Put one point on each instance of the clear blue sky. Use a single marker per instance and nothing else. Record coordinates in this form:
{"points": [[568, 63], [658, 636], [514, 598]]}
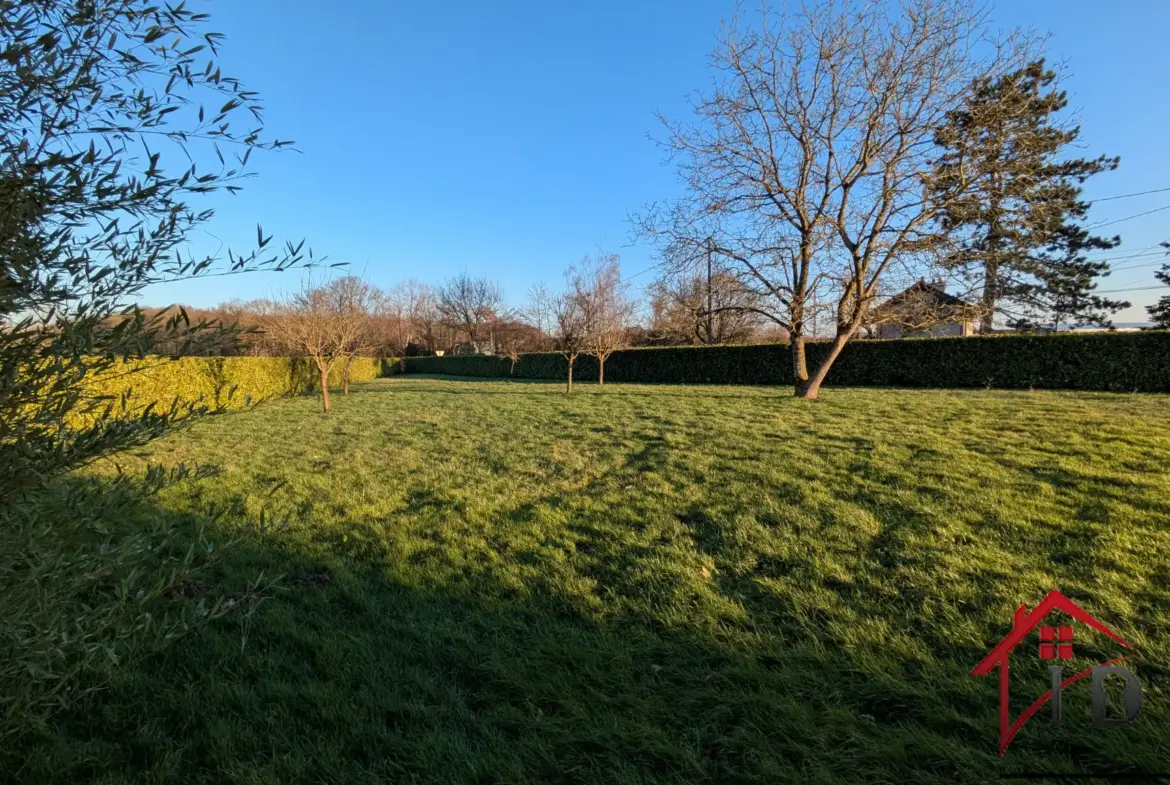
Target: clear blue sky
{"points": [[511, 138]]}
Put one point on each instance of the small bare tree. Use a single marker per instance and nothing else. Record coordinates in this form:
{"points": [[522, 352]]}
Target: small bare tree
{"points": [[306, 323], [411, 315], [688, 307], [570, 326], [353, 302], [513, 337], [470, 305], [598, 286], [539, 311], [808, 165]]}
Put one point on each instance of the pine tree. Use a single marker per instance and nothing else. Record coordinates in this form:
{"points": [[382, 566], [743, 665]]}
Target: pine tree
{"points": [[1160, 311], [1014, 230]]}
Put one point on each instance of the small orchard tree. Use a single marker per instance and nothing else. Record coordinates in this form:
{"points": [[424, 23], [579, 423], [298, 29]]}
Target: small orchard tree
{"points": [[513, 337], [570, 328], [306, 323], [354, 303], [598, 286]]}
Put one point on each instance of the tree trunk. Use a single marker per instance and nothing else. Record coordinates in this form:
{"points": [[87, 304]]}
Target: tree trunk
{"points": [[569, 386], [345, 376], [990, 295], [600, 371], [799, 362], [809, 388], [324, 390]]}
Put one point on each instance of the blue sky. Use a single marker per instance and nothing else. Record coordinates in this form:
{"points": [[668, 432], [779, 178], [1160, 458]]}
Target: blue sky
{"points": [[511, 138]]}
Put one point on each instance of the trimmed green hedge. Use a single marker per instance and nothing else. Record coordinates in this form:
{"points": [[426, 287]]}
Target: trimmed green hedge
{"points": [[1117, 362], [231, 382]]}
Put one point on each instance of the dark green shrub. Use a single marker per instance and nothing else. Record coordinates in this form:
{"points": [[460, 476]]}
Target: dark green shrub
{"points": [[1118, 362]]}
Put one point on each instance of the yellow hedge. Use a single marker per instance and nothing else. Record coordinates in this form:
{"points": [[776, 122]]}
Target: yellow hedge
{"points": [[230, 382]]}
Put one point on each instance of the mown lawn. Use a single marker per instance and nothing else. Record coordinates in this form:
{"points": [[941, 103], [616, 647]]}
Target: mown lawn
{"points": [[490, 582]]}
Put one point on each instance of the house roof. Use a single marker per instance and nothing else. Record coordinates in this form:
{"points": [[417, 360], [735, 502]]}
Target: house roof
{"points": [[920, 289], [1026, 621]]}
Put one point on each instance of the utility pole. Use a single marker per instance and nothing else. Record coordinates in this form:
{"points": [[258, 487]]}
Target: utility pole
{"points": [[710, 330]]}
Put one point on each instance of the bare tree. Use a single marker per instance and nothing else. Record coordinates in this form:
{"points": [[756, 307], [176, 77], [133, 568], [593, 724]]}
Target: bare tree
{"points": [[353, 302], [470, 305], [570, 326], [306, 323], [687, 307], [427, 321], [539, 311], [410, 315], [807, 165], [514, 336], [597, 284]]}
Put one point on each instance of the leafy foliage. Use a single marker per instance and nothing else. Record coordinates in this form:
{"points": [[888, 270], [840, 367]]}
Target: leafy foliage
{"points": [[1122, 362], [97, 99], [92, 95], [84, 592]]}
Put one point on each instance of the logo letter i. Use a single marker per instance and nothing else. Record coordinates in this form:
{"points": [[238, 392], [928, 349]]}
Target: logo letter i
{"points": [[1056, 672]]}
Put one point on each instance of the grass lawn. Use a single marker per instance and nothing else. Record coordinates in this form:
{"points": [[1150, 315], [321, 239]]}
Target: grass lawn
{"points": [[494, 582]]}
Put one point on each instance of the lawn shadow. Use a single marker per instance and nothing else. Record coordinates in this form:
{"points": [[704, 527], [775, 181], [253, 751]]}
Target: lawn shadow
{"points": [[353, 665]]}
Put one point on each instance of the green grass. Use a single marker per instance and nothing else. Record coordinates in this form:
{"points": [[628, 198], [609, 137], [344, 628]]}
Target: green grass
{"points": [[494, 582]]}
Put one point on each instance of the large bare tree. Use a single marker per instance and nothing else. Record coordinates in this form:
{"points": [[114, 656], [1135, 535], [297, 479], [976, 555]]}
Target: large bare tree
{"points": [[806, 165]]}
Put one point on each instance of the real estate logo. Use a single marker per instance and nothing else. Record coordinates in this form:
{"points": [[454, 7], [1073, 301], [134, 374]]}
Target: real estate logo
{"points": [[1056, 645]]}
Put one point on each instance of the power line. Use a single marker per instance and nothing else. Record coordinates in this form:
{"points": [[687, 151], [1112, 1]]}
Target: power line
{"points": [[1138, 265], [1126, 196], [642, 272], [1130, 217], [1131, 289], [1122, 258]]}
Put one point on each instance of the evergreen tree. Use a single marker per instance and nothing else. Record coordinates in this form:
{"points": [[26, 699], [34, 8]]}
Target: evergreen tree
{"points": [[1013, 203], [1160, 311]]}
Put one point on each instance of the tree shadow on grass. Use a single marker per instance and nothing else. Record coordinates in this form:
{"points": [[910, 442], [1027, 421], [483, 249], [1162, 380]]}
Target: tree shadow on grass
{"points": [[582, 388], [607, 661]]}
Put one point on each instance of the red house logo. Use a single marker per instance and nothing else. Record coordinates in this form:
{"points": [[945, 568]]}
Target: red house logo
{"points": [[1056, 644]]}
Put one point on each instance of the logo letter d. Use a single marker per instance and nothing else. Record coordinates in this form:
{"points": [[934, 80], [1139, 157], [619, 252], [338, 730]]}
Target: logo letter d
{"points": [[1132, 697]]}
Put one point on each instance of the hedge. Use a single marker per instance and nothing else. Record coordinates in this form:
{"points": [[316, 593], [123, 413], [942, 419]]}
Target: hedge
{"points": [[230, 382], [1105, 361]]}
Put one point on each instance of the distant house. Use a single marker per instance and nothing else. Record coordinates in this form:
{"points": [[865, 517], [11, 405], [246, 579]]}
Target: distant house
{"points": [[925, 310]]}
